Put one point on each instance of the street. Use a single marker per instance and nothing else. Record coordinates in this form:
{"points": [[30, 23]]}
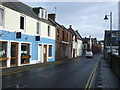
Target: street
{"points": [[74, 74]]}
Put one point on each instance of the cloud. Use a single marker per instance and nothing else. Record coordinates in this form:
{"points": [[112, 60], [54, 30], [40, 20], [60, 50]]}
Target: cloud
{"points": [[87, 17]]}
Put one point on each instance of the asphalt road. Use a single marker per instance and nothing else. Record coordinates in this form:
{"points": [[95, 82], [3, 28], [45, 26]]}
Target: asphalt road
{"points": [[74, 74]]}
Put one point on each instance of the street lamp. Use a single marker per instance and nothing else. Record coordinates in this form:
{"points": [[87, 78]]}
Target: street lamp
{"points": [[106, 18]]}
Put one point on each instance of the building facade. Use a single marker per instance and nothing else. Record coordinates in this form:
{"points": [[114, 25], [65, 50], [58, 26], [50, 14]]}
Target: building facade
{"points": [[63, 40], [26, 37], [76, 43]]}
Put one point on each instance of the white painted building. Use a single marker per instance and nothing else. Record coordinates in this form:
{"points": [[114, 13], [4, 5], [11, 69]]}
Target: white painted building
{"points": [[25, 37]]}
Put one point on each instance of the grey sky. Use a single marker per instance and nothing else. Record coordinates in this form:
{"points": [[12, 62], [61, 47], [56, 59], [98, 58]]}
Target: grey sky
{"points": [[86, 17]]}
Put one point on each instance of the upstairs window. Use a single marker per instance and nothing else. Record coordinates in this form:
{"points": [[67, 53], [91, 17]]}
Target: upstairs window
{"points": [[1, 17], [48, 30], [58, 34], [42, 12], [22, 22], [45, 14], [67, 36], [38, 28], [63, 35]]}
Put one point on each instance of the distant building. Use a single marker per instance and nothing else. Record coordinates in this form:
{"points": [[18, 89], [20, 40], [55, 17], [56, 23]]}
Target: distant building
{"points": [[76, 43], [90, 44]]}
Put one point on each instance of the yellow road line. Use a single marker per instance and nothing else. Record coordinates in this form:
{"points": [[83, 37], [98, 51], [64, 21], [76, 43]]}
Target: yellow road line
{"points": [[92, 75]]}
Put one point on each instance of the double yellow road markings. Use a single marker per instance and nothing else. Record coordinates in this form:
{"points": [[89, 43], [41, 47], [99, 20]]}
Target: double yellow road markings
{"points": [[91, 77]]}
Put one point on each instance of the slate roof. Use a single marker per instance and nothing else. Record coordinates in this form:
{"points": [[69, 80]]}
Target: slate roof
{"points": [[25, 9], [78, 34]]}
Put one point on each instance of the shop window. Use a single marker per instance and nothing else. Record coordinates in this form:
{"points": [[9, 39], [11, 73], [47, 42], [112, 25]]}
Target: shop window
{"points": [[1, 16], [3, 54], [50, 50], [25, 53]]}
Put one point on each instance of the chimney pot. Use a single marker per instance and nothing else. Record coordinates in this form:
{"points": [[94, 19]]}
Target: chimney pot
{"points": [[70, 26], [52, 16]]}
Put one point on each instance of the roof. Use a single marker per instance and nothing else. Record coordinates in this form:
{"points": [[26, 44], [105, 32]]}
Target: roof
{"points": [[78, 34], [58, 25], [20, 7], [25, 9]]}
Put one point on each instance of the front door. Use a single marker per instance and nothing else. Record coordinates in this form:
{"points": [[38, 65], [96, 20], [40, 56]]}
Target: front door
{"points": [[14, 54], [40, 53], [45, 53]]}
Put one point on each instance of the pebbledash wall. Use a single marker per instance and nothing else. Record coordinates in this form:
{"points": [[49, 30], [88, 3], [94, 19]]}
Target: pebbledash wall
{"points": [[11, 25]]}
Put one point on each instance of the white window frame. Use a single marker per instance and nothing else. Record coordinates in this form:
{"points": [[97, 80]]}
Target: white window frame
{"points": [[23, 30]]}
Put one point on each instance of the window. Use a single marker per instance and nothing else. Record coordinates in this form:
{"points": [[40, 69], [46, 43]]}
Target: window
{"points": [[58, 34], [48, 30], [63, 35], [45, 14], [50, 50], [22, 22], [37, 28], [25, 53], [67, 36], [42, 13], [1, 16], [3, 54]]}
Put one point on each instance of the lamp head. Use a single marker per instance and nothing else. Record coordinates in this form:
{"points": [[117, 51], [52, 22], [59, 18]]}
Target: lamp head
{"points": [[106, 18]]}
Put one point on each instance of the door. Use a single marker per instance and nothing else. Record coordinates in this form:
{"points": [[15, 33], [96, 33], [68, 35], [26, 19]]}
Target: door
{"points": [[73, 53], [14, 54], [45, 53], [40, 53]]}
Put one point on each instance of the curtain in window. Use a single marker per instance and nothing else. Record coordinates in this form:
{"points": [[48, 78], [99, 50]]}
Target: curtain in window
{"points": [[1, 17]]}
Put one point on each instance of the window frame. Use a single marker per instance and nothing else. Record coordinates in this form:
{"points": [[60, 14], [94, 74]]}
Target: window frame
{"points": [[50, 47], [4, 58], [27, 56], [49, 31], [24, 23]]}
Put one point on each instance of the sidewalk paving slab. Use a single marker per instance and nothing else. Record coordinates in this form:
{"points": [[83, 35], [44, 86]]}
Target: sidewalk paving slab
{"points": [[105, 77]]}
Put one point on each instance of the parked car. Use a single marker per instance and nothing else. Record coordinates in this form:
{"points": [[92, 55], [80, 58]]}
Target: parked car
{"points": [[89, 54]]}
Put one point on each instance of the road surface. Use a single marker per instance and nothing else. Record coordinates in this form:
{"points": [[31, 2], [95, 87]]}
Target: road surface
{"points": [[74, 74]]}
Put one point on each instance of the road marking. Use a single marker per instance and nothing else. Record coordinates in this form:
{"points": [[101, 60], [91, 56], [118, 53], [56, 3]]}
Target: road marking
{"points": [[92, 75]]}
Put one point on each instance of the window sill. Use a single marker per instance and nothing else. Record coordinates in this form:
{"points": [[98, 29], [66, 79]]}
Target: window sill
{"points": [[2, 59], [50, 57]]}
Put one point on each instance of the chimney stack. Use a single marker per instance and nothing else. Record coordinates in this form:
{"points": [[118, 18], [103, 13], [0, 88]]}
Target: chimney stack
{"points": [[52, 16]]}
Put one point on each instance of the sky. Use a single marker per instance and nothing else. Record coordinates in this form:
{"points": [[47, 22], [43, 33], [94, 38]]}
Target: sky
{"points": [[86, 17]]}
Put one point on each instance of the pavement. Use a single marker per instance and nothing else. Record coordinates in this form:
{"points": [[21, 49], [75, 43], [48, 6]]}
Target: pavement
{"points": [[105, 77]]}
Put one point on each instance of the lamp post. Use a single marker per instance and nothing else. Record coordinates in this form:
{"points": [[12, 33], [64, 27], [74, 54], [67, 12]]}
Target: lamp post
{"points": [[106, 18]]}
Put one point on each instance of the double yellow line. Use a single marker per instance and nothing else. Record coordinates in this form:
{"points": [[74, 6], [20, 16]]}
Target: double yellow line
{"points": [[91, 77]]}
